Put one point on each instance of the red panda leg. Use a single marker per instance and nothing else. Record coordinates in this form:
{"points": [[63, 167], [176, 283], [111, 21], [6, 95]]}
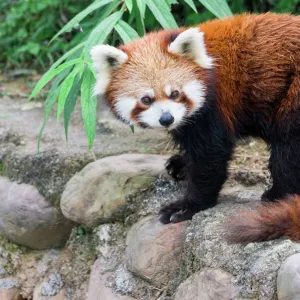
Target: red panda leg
{"points": [[284, 166], [284, 163], [207, 147], [176, 167]]}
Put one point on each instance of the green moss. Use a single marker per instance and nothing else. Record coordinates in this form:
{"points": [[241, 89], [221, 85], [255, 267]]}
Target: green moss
{"points": [[2, 167], [12, 250]]}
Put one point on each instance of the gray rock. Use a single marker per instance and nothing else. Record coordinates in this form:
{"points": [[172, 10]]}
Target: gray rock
{"points": [[52, 286], [208, 284], [28, 219], [98, 193], [154, 250], [288, 280], [110, 245], [8, 283], [99, 286]]}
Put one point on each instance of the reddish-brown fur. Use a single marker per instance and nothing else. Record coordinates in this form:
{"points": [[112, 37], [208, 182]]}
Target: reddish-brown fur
{"points": [[263, 51], [256, 73], [268, 222]]}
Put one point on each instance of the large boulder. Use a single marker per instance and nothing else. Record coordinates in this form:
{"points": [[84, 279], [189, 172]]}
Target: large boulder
{"points": [[98, 193], [26, 218], [154, 251]]}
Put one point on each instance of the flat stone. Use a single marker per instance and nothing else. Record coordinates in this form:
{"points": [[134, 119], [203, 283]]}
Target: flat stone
{"points": [[154, 250], [208, 284], [98, 193], [98, 285], [288, 280], [26, 218], [12, 294]]}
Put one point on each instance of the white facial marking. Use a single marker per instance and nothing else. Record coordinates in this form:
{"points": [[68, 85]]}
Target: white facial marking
{"points": [[100, 55], [149, 92], [195, 91], [152, 115], [168, 90], [191, 43], [124, 106]]}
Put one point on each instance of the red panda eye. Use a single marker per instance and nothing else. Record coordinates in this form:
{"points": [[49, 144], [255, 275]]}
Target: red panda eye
{"points": [[147, 100], [174, 95]]}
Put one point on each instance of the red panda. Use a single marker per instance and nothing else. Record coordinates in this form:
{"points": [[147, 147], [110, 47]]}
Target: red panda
{"points": [[210, 86]]}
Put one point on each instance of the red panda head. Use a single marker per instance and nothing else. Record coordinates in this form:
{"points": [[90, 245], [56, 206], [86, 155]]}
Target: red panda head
{"points": [[156, 81]]}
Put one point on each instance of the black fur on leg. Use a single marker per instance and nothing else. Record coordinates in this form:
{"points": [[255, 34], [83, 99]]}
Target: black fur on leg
{"points": [[176, 167], [207, 147], [284, 165], [176, 212]]}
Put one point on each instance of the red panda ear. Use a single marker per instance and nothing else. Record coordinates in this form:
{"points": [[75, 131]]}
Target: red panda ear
{"points": [[190, 43], [106, 60]]}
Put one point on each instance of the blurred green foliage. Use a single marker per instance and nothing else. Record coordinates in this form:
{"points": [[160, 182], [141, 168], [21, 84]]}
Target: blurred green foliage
{"points": [[27, 26]]}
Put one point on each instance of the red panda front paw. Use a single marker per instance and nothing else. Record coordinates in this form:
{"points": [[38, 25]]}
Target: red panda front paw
{"points": [[176, 167], [176, 212]]}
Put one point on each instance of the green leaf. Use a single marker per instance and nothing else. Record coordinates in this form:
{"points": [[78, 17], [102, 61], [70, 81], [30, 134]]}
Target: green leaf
{"points": [[126, 32], [129, 5], [50, 74], [67, 54], [141, 4], [70, 103], [88, 106], [139, 16], [92, 69], [64, 91], [162, 13], [102, 30], [191, 4], [219, 8], [132, 128], [50, 101], [97, 4]]}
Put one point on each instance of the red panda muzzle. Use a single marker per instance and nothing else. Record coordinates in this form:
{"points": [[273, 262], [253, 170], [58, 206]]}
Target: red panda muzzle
{"points": [[269, 221]]}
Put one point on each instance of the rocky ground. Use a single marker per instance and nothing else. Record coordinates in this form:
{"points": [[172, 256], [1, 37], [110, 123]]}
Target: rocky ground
{"points": [[82, 225]]}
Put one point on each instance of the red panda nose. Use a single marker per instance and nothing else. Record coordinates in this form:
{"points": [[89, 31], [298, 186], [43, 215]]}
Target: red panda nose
{"points": [[166, 119]]}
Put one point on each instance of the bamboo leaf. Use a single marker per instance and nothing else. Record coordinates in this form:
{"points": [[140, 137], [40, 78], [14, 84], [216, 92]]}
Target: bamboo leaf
{"points": [[141, 4], [64, 91], [66, 55], [219, 8], [95, 5], [88, 106], [139, 13], [191, 4], [162, 13], [102, 30], [50, 74], [126, 32], [129, 5], [49, 103], [70, 103]]}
